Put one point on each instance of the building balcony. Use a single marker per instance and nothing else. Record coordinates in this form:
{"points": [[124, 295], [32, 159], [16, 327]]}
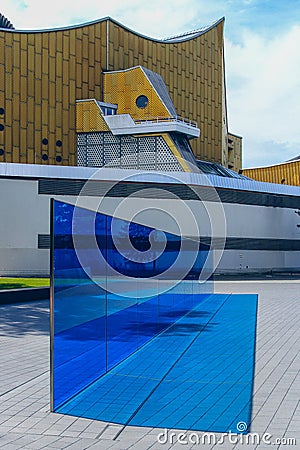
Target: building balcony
{"points": [[120, 124]]}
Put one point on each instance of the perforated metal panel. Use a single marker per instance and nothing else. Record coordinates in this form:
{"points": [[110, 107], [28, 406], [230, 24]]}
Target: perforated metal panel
{"points": [[129, 145], [129, 161], [81, 139], [147, 144], [94, 138], [147, 166], [94, 156], [161, 144], [113, 163], [81, 156], [165, 157], [147, 158], [112, 154], [170, 167], [109, 138], [90, 149], [125, 139], [145, 152]]}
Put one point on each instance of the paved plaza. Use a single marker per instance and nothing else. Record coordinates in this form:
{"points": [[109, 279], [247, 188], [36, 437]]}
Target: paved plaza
{"points": [[26, 423]]}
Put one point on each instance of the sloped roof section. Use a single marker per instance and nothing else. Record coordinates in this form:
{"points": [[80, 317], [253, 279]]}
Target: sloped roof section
{"points": [[170, 40], [159, 85], [194, 33], [294, 159], [5, 23]]}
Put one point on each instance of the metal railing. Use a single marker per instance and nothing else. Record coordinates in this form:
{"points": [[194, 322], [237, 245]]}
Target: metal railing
{"points": [[158, 119]]}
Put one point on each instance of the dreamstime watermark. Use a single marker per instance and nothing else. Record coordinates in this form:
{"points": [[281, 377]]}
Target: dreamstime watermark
{"points": [[197, 438], [155, 206]]}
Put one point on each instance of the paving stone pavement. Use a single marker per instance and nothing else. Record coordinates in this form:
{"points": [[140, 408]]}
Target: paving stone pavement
{"points": [[26, 422]]}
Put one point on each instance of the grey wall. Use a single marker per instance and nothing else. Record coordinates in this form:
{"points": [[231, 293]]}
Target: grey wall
{"points": [[25, 215]]}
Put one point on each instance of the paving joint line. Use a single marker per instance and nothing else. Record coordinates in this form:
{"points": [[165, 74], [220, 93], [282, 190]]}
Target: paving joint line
{"points": [[23, 384]]}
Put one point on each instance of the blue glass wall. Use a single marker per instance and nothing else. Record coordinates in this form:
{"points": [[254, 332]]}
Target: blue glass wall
{"points": [[197, 374], [108, 299]]}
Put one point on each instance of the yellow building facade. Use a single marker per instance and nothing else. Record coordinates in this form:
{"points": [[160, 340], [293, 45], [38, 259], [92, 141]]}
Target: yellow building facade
{"points": [[234, 151], [285, 173], [43, 73], [136, 127]]}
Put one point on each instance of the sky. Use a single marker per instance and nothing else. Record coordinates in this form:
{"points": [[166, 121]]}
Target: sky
{"points": [[262, 57]]}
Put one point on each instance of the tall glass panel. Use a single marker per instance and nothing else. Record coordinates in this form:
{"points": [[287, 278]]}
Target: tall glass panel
{"points": [[115, 285], [78, 311]]}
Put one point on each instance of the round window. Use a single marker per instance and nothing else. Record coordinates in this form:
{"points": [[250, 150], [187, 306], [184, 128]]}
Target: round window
{"points": [[142, 101], [44, 157]]}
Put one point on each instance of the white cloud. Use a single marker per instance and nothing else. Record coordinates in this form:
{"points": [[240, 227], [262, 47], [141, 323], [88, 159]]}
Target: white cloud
{"points": [[157, 19], [264, 93]]}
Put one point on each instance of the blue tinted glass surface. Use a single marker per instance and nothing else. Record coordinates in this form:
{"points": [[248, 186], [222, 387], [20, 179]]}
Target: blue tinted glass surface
{"points": [[130, 352], [103, 309], [79, 337], [197, 374]]}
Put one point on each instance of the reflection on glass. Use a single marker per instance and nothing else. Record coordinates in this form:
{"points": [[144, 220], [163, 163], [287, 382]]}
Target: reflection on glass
{"points": [[111, 299]]}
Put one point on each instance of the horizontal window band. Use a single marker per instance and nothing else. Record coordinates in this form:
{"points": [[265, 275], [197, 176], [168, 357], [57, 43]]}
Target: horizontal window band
{"points": [[44, 241], [165, 191], [231, 243]]}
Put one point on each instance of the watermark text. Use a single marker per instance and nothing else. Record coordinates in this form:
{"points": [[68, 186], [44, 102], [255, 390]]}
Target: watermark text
{"points": [[197, 438]]}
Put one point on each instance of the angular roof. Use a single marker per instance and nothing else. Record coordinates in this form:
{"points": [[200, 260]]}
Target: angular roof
{"points": [[5, 23], [194, 33], [294, 159], [178, 38], [159, 85]]}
